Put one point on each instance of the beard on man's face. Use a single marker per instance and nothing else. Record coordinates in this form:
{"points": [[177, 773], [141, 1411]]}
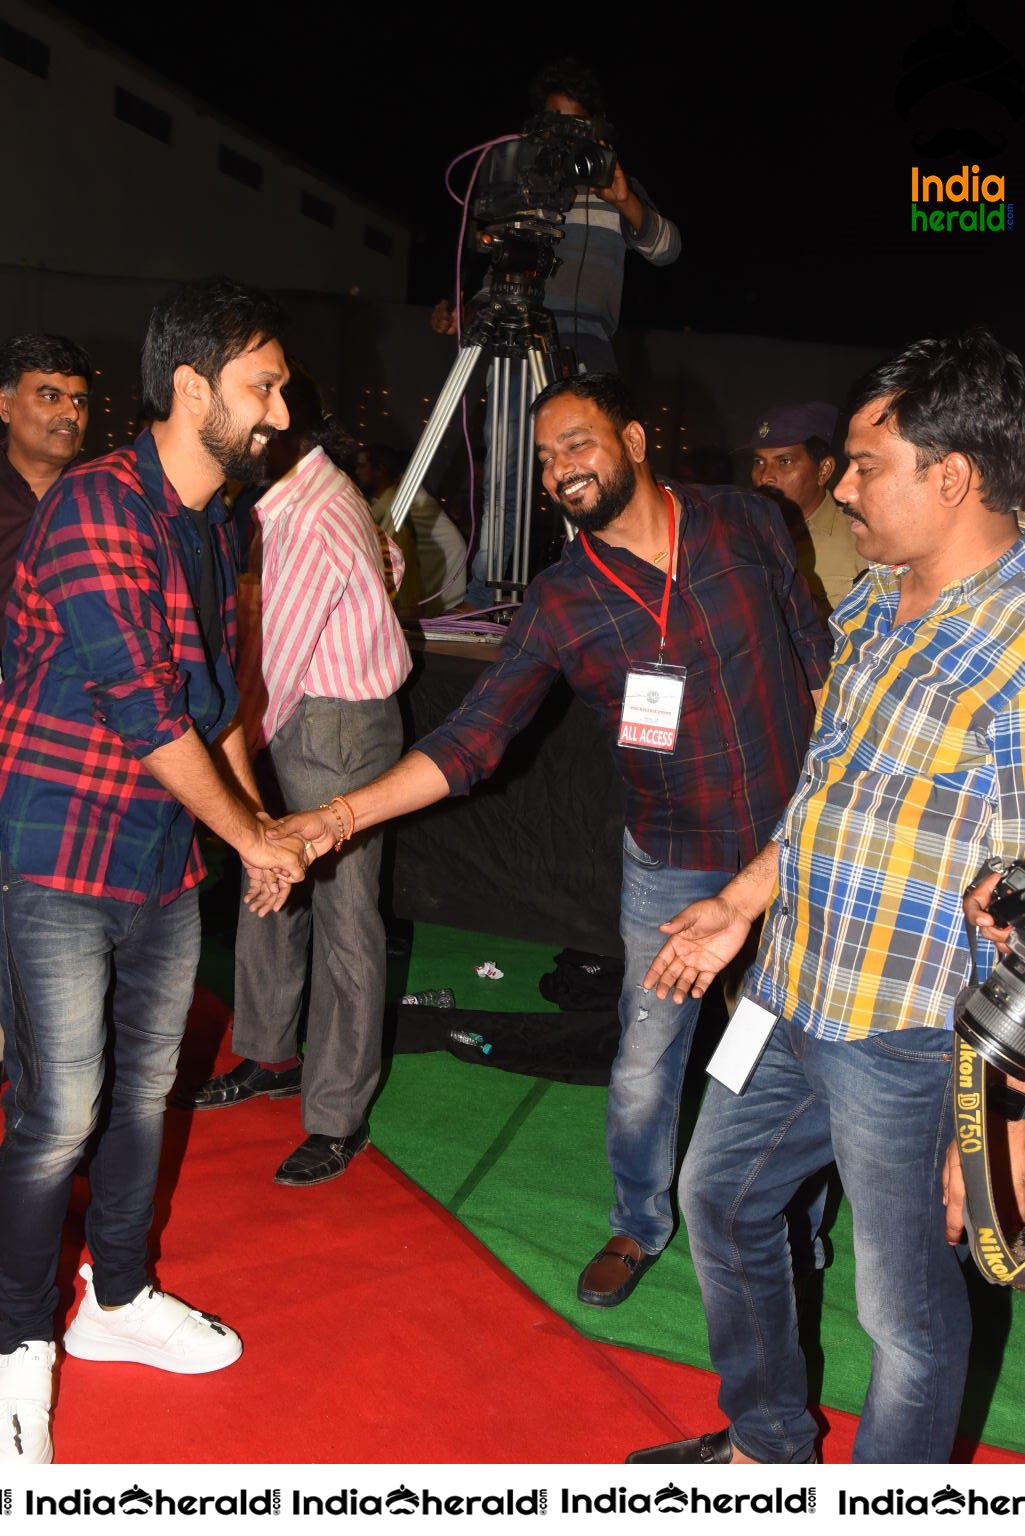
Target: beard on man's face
{"points": [[231, 446], [614, 495]]}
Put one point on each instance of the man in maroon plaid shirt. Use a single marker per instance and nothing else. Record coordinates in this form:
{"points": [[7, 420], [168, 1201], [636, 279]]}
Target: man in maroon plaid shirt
{"points": [[118, 730], [679, 617]]}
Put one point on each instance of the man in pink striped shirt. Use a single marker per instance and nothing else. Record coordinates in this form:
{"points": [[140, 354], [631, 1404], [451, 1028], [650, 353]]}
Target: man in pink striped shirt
{"points": [[320, 667]]}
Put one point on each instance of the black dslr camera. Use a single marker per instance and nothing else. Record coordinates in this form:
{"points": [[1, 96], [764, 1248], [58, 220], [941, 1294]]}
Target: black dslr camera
{"points": [[991, 1015]]}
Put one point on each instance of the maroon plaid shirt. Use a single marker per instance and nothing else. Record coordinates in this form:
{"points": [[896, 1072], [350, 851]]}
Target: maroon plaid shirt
{"points": [[104, 662], [742, 622]]}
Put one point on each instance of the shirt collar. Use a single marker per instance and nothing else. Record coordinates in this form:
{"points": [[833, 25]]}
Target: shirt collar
{"points": [[16, 480], [157, 488], [13, 476], [966, 589], [574, 550], [286, 491], [827, 511]]}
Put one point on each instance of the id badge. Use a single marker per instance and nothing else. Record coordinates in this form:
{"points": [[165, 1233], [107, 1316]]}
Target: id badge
{"points": [[652, 702], [740, 1049]]}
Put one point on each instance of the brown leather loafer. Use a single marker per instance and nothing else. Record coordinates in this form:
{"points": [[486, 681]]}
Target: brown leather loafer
{"points": [[613, 1273]]}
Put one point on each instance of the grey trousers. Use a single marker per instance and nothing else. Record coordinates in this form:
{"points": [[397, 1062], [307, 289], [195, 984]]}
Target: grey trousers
{"points": [[329, 934]]}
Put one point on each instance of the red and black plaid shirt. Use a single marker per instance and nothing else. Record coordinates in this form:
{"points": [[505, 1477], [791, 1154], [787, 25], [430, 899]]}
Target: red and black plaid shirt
{"points": [[742, 622], [104, 662]]}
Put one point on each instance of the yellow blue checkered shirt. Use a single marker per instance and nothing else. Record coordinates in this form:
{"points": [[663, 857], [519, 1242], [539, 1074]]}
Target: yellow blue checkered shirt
{"points": [[913, 778]]}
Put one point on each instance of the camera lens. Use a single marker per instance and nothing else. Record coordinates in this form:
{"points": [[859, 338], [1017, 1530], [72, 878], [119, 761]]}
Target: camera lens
{"points": [[992, 1018]]}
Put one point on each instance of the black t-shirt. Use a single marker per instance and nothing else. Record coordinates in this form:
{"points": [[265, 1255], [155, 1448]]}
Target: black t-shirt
{"points": [[209, 607], [17, 504]]}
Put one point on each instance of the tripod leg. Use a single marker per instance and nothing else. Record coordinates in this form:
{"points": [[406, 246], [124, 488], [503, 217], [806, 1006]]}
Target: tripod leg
{"points": [[511, 480], [498, 506], [451, 393], [542, 372], [524, 479]]}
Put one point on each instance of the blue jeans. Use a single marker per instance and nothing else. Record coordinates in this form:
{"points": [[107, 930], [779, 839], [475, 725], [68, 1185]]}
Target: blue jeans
{"points": [[882, 1107], [655, 1039], [84, 1057]]}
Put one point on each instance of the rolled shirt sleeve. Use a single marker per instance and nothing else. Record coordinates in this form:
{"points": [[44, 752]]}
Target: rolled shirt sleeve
{"points": [[98, 574], [469, 745]]}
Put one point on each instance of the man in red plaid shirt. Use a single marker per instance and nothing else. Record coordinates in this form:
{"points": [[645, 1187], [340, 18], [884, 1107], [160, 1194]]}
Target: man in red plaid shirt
{"points": [[118, 731]]}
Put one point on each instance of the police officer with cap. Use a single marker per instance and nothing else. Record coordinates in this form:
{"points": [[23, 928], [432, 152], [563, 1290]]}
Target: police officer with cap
{"points": [[793, 463]]}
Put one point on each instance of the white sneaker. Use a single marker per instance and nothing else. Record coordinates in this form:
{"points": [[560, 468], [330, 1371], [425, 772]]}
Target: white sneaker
{"points": [[154, 1329], [26, 1395]]}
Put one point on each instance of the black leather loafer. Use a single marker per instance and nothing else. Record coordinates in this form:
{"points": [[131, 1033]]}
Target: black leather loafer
{"points": [[320, 1158], [246, 1081], [708, 1449]]}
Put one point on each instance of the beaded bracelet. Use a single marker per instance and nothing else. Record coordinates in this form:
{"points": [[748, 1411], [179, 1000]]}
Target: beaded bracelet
{"points": [[335, 847], [343, 833], [352, 813]]}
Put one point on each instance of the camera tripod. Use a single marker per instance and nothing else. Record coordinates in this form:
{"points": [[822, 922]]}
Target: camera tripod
{"points": [[513, 327]]}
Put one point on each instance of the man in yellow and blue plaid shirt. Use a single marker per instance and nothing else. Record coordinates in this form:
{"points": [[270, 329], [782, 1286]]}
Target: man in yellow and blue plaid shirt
{"points": [[913, 779]]}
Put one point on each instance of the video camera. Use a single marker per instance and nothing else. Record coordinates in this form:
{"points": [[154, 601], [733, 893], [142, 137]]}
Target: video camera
{"points": [[537, 175]]}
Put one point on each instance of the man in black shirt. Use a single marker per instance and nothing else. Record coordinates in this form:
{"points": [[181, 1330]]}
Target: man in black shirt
{"points": [[44, 406]]}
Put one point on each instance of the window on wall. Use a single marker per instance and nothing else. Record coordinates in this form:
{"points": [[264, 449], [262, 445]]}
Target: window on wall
{"points": [[317, 209], [21, 48], [241, 168], [377, 240], [142, 114]]}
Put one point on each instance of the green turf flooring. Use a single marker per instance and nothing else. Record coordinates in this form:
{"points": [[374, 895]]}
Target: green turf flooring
{"points": [[521, 1162]]}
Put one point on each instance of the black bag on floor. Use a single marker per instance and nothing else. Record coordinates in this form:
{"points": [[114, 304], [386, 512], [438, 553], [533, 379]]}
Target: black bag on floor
{"points": [[582, 982], [575, 1049]]}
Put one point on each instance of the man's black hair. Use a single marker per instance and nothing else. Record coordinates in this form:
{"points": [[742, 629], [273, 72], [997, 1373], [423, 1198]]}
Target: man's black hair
{"points": [[961, 394], [818, 449], [567, 77], [606, 390], [307, 418], [41, 354], [207, 324]]}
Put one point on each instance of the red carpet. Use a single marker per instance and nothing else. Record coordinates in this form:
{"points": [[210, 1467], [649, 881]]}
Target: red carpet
{"points": [[376, 1328]]}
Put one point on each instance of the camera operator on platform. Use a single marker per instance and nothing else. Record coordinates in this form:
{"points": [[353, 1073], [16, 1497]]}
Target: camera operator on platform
{"points": [[584, 293], [914, 778]]}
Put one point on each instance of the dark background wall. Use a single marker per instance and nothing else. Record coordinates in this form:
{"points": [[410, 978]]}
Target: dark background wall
{"points": [[381, 367]]}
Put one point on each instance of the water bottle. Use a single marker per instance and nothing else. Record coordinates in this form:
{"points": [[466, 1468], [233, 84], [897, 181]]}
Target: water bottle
{"points": [[467, 1037], [442, 997]]}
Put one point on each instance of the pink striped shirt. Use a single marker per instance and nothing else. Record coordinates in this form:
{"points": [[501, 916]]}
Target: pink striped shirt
{"points": [[321, 623]]}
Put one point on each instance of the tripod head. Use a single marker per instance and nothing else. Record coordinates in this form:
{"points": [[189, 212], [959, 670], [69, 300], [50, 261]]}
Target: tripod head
{"points": [[512, 320]]}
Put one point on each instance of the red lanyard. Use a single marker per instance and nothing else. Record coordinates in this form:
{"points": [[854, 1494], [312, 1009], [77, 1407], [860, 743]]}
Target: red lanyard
{"points": [[661, 617]]}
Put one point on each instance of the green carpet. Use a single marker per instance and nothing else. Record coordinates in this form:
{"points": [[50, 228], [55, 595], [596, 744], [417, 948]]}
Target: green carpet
{"points": [[521, 1162]]}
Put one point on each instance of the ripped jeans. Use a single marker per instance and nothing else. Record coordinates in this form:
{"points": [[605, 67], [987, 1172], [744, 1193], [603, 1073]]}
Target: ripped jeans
{"points": [[654, 1043]]}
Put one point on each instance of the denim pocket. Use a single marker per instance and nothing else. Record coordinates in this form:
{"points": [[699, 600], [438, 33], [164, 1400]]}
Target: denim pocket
{"points": [[632, 851], [913, 1044], [9, 878]]}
